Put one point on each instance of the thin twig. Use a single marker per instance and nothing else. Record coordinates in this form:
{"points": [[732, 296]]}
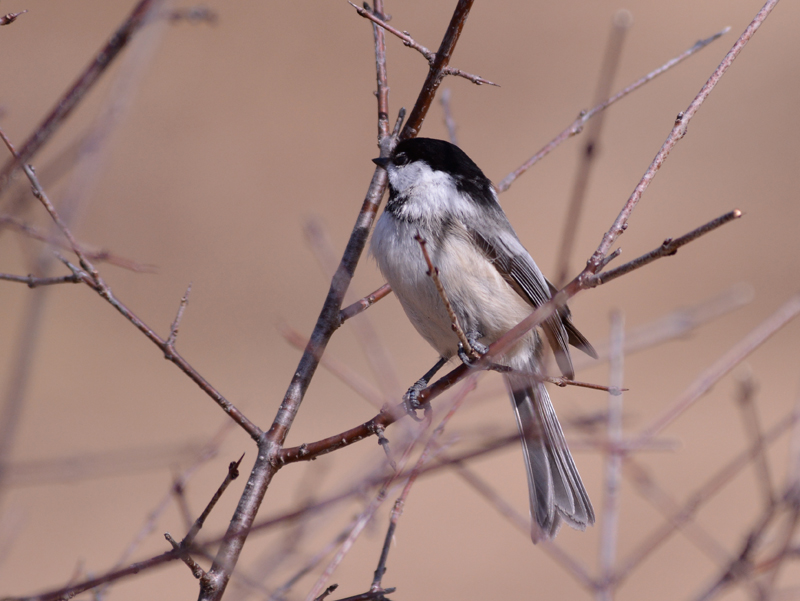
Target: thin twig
{"points": [[399, 505], [233, 473], [11, 17], [607, 551], [433, 273], [577, 126], [620, 25], [173, 330], [365, 517], [449, 121], [65, 105], [722, 366], [413, 44], [365, 303], [745, 399], [34, 282], [93, 253], [668, 248], [702, 495], [90, 276]]}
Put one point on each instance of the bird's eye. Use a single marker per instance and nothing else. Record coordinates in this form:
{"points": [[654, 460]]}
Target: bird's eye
{"points": [[400, 159]]}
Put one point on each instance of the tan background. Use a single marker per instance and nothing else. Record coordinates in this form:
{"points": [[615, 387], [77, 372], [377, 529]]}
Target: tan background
{"points": [[229, 138]]}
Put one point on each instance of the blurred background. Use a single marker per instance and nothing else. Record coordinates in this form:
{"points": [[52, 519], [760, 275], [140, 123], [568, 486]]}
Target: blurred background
{"points": [[208, 149]]}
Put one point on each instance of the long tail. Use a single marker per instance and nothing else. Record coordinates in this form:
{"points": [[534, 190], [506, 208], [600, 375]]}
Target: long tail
{"points": [[554, 484]]}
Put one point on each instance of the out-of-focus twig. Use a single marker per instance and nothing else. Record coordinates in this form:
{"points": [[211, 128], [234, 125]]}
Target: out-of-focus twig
{"points": [[577, 126], [620, 25]]}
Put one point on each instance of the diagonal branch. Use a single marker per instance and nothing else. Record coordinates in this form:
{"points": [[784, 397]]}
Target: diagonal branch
{"points": [[412, 43], [65, 105], [577, 126]]}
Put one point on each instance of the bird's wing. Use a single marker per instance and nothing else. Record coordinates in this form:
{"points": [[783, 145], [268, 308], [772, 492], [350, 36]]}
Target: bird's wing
{"points": [[517, 267]]}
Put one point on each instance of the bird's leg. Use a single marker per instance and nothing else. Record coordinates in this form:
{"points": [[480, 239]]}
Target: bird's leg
{"points": [[411, 397]]}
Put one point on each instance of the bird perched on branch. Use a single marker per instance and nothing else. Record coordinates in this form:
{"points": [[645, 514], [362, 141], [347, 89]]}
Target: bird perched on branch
{"points": [[437, 193]]}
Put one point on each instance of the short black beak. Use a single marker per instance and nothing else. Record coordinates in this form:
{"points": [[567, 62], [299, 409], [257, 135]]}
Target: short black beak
{"points": [[381, 161]]}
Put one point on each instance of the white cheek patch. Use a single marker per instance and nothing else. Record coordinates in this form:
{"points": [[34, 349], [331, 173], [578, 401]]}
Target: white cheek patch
{"points": [[429, 195]]}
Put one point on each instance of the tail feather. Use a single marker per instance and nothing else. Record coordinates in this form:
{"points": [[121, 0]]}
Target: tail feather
{"points": [[554, 484]]}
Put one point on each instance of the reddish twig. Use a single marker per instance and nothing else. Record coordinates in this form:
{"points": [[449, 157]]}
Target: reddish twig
{"points": [[34, 282], [577, 126], [11, 17], [173, 330], [621, 22], [65, 105], [668, 248], [437, 70], [365, 303], [413, 44], [433, 273]]}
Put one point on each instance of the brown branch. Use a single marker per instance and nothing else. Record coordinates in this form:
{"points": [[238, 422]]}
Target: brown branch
{"points": [[11, 17], [620, 25], [65, 105], [577, 126], [668, 248], [381, 76], [269, 456], [407, 40], [437, 70], [365, 303], [34, 282], [90, 276]]}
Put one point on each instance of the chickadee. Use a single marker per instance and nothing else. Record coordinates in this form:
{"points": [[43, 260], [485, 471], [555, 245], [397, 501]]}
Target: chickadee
{"points": [[492, 283]]}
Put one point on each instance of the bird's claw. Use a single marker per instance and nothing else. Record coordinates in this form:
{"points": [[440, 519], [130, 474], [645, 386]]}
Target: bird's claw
{"points": [[411, 400], [478, 348]]}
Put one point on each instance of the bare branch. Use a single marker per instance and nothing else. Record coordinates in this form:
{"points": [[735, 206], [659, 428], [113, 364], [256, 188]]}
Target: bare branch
{"points": [[411, 43], [668, 248], [433, 273], [437, 70], [65, 105], [34, 282], [364, 304], [620, 24], [11, 17], [722, 366], [607, 551], [577, 126]]}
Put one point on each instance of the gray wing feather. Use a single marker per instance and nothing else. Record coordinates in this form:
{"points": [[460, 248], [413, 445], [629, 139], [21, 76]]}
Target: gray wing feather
{"points": [[514, 263]]}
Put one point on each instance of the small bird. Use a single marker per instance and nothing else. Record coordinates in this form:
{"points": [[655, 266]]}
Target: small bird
{"points": [[438, 193]]}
